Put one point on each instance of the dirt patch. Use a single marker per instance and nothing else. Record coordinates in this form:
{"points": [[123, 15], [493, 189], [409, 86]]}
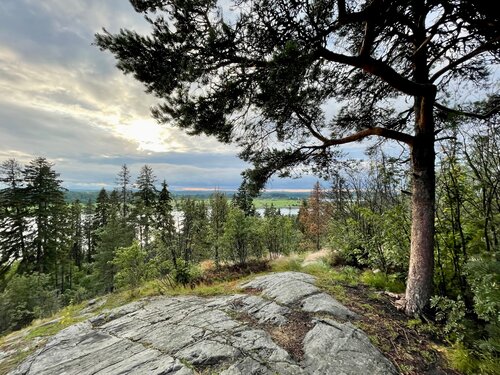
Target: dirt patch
{"points": [[289, 336], [253, 291]]}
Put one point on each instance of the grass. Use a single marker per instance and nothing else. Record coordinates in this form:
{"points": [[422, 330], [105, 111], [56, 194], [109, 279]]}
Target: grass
{"points": [[292, 262], [381, 281], [467, 362], [24, 342], [277, 202], [50, 326], [10, 363]]}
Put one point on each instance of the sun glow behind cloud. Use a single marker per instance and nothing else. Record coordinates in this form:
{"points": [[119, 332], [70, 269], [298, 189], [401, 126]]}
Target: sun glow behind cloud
{"points": [[149, 135], [73, 93]]}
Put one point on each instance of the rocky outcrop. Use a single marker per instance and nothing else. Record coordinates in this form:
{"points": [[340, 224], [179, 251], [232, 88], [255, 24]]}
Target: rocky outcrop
{"points": [[284, 324]]}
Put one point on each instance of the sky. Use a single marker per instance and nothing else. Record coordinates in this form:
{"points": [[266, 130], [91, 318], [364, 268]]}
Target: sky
{"points": [[64, 99]]}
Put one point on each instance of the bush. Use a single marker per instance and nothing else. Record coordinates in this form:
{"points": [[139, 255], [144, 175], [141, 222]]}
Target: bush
{"points": [[186, 274], [452, 314]]}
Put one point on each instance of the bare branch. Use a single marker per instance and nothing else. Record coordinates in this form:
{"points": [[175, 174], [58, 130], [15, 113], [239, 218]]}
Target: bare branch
{"points": [[381, 132], [308, 123]]}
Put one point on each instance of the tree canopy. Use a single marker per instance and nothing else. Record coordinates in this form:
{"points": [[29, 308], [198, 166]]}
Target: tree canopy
{"points": [[289, 80]]}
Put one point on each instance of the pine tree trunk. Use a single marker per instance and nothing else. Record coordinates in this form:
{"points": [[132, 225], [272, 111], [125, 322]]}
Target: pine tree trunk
{"points": [[420, 275]]}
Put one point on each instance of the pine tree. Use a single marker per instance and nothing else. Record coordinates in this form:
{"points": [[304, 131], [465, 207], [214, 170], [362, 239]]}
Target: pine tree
{"points": [[288, 82]]}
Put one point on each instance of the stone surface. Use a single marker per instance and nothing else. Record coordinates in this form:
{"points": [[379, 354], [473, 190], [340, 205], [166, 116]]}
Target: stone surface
{"points": [[343, 347], [229, 335], [285, 287], [324, 303]]}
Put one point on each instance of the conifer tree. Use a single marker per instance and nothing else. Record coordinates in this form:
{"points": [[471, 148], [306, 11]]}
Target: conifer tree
{"points": [[13, 214], [145, 199], [88, 230], [243, 199], [218, 215], [123, 181], [314, 217], [115, 234], [288, 82], [46, 199], [164, 222], [76, 229], [102, 209]]}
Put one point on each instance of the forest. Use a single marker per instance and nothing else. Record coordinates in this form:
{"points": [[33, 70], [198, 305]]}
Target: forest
{"points": [[55, 253]]}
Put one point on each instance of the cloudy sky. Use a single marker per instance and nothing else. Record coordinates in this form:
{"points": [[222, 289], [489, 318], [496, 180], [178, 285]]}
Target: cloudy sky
{"points": [[62, 98]]}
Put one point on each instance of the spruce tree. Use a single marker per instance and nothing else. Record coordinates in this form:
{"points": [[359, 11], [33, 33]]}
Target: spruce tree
{"points": [[13, 214], [123, 181], [76, 229], [46, 199], [115, 234], [102, 209], [145, 199], [165, 224], [243, 199]]}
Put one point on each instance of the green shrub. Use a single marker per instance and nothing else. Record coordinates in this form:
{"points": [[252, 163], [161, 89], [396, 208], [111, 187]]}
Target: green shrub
{"points": [[483, 275], [452, 314], [186, 274], [381, 281]]}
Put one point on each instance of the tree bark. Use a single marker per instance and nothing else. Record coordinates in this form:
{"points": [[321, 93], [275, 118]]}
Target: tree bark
{"points": [[420, 275]]}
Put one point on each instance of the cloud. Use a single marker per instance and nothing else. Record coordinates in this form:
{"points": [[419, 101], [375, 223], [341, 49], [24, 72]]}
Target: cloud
{"points": [[62, 98]]}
